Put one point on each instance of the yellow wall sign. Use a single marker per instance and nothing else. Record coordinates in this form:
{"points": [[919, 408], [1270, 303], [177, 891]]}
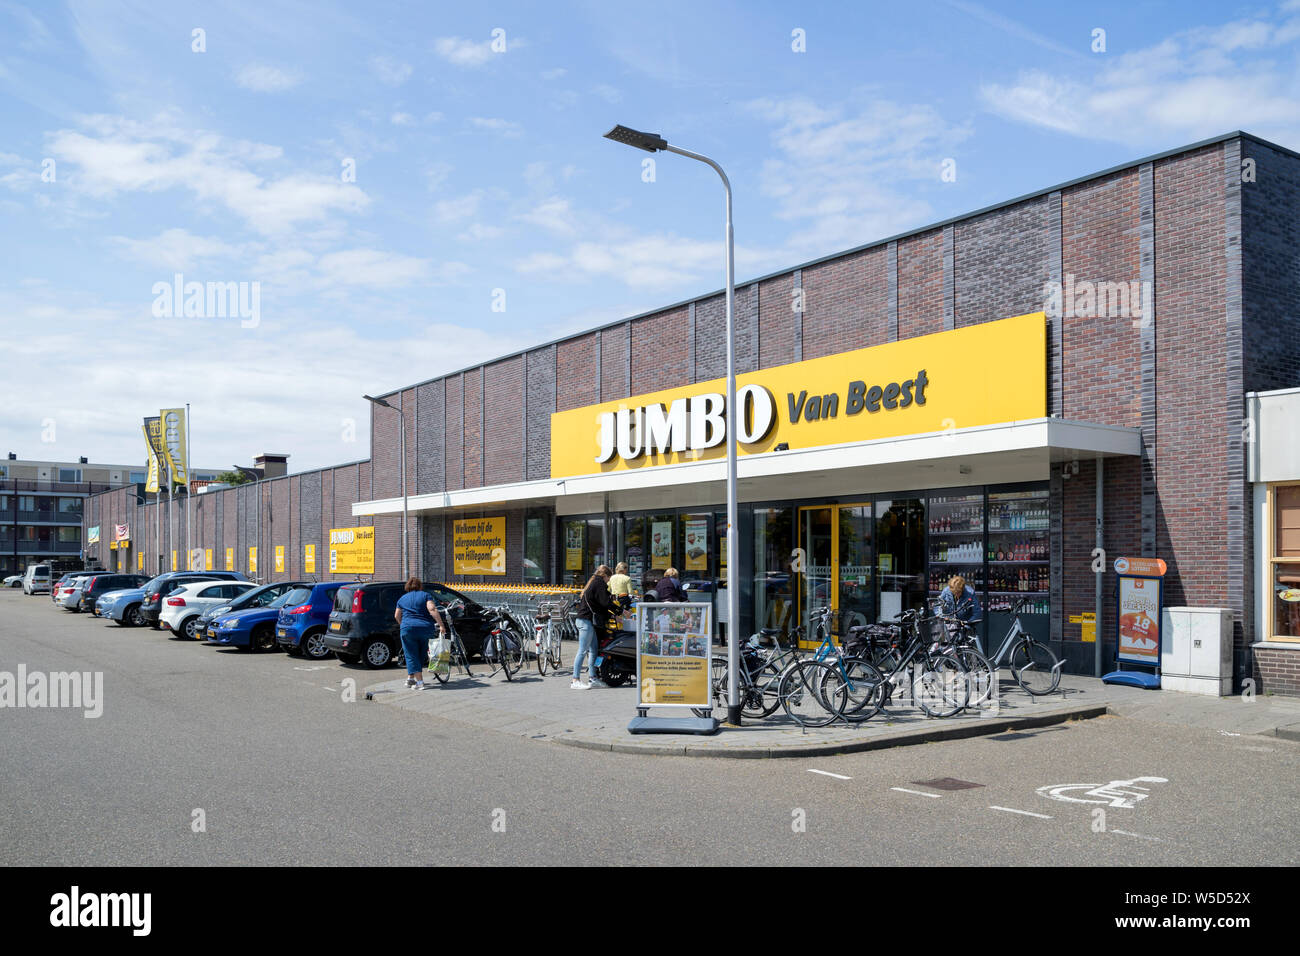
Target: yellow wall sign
{"points": [[279, 559], [252, 560], [230, 559], [479, 546], [139, 561], [979, 375], [207, 559], [309, 558], [173, 560], [352, 550]]}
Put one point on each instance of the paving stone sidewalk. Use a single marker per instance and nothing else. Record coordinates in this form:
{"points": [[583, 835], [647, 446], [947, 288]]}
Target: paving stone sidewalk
{"points": [[545, 709]]}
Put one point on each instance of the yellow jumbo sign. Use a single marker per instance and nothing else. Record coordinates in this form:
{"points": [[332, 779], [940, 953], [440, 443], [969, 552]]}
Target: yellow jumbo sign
{"points": [[979, 375], [352, 550]]}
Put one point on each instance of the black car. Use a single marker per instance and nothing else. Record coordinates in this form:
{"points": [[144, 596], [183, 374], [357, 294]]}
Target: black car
{"points": [[104, 582], [362, 628], [165, 584]]}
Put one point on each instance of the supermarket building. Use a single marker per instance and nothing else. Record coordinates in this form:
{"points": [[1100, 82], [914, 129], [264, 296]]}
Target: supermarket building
{"points": [[998, 395]]}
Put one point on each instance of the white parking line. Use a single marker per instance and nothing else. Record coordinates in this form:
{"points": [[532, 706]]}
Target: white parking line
{"points": [[1138, 835], [1041, 816], [919, 793], [827, 773]]}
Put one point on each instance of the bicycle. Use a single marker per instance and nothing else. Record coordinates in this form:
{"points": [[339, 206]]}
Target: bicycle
{"points": [[547, 638], [780, 679], [507, 643], [1036, 669], [441, 670], [941, 689]]}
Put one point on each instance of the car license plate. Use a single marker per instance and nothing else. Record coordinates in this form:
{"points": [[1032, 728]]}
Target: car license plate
{"points": [[212, 632], [280, 632], [335, 626]]}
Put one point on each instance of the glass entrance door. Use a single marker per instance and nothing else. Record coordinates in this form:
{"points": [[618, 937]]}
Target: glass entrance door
{"points": [[835, 543], [900, 544]]}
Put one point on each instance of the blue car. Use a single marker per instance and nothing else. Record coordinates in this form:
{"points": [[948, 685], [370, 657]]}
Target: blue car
{"points": [[122, 607], [300, 629], [252, 627]]}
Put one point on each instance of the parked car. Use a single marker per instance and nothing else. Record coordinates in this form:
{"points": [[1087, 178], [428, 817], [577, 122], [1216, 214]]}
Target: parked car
{"points": [[69, 594], [36, 578], [362, 628], [252, 627], [14, 581], [60, 584], [158, 589], [181, 608], [123, 607], [257, 597], [100, 584], [300, 629]]}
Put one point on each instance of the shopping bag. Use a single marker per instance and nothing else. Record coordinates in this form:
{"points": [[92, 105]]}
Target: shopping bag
{"points": [[440, 654]]}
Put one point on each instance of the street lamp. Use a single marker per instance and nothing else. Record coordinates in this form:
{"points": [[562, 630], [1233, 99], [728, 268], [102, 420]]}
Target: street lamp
{"points": [[653, 142], [401, 420]]}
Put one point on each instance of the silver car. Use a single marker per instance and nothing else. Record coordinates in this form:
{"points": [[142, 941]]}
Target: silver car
{"points": [[70, 598]]}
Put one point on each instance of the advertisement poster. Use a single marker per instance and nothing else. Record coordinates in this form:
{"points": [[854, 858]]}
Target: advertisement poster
{"points": [[252, 560], [121, 532], [207, 559], [279, 558], [1139, 621], [196, 559], [139, 561], [92, 535], [352, 550], [697, 543], [230, 559], [173, 435], [478, 545], [175, 566], [309, 558], [661, 545], [673, 654], [635, 563], [573, 546]]}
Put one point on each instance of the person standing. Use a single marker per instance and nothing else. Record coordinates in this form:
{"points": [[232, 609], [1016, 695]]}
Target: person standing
{"points": [[620, 585], [593, 611], [670, 587], [959, 600], [416, 615]]}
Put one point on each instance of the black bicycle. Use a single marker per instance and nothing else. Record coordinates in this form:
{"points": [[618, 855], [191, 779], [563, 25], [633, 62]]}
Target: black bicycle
{"points": [[456, 655]]}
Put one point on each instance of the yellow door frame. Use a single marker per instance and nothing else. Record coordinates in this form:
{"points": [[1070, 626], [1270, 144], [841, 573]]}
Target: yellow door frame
{"points": [[834, 594]]}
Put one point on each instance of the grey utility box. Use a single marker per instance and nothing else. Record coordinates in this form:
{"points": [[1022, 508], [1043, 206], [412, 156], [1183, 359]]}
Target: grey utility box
{"points": [[1196, 650]]}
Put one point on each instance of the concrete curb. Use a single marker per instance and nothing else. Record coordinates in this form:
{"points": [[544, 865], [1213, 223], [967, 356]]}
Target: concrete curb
{"points": [[812, 749], [1288, 732]]}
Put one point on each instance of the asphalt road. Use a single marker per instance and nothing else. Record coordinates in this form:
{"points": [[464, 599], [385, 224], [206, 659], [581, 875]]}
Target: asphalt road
{"points": [[286, 772]]}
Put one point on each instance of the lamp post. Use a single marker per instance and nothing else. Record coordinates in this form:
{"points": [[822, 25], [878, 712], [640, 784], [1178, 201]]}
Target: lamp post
{"points": [[401, 421], [651, 143]]}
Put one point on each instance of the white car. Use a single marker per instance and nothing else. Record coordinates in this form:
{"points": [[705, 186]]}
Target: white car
{"points": [[181, 609], [70, 594], [14, 581]]}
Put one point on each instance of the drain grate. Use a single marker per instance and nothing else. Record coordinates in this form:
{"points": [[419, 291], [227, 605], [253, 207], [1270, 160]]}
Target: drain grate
{"points": [[947, 783]]}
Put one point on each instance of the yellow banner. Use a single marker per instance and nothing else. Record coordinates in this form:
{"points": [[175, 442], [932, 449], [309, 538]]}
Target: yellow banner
{"points": [[309, 558], [979, 375], [352, 550], [252, 560], [173, 426], [230, 559], [139, 561], [279, 559], [174, 563], [207, 559], [479, 546], [151, 480]]}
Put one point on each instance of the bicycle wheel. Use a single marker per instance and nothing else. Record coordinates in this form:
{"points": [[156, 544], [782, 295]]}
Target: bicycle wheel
{"points": [[1034, 667], [499, 641], [555, 648], [516, 656], [755, 703], [543, 655], [441, 672], [810, 697], [942, 690], [980, 674], [862, 683]]}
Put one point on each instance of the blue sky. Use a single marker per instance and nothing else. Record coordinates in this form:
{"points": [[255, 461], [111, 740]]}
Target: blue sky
{"points": [[479, 169]]}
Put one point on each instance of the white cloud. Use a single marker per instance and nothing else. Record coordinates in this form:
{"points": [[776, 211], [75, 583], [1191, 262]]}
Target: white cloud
{"points": [[554, 215], [390, 71], [402, 119], [262, 78], [373, 267], [461, 52], [607, 93], [554, 74], [1193, 84], [453, 210], [125, 156], [496, 125], [478, 232], [174, 249]]}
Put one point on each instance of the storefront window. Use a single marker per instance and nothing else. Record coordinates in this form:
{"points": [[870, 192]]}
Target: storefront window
{"points": [[634, 551], [595, 544], [660, 531], [575, 544], [720, 546], [1285, 606], [773, 590], [900, 536], [535, 549]]}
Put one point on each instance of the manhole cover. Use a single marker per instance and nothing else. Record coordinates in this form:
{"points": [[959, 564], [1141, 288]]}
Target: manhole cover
{"points": [[947, 783]]}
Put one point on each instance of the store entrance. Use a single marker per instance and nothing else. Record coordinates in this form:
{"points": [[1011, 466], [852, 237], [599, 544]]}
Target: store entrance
{"points": [[835, 543]]}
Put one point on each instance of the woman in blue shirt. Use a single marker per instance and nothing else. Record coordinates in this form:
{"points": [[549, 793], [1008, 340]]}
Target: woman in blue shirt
{"points": [[416, 616], [960, 600]]}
